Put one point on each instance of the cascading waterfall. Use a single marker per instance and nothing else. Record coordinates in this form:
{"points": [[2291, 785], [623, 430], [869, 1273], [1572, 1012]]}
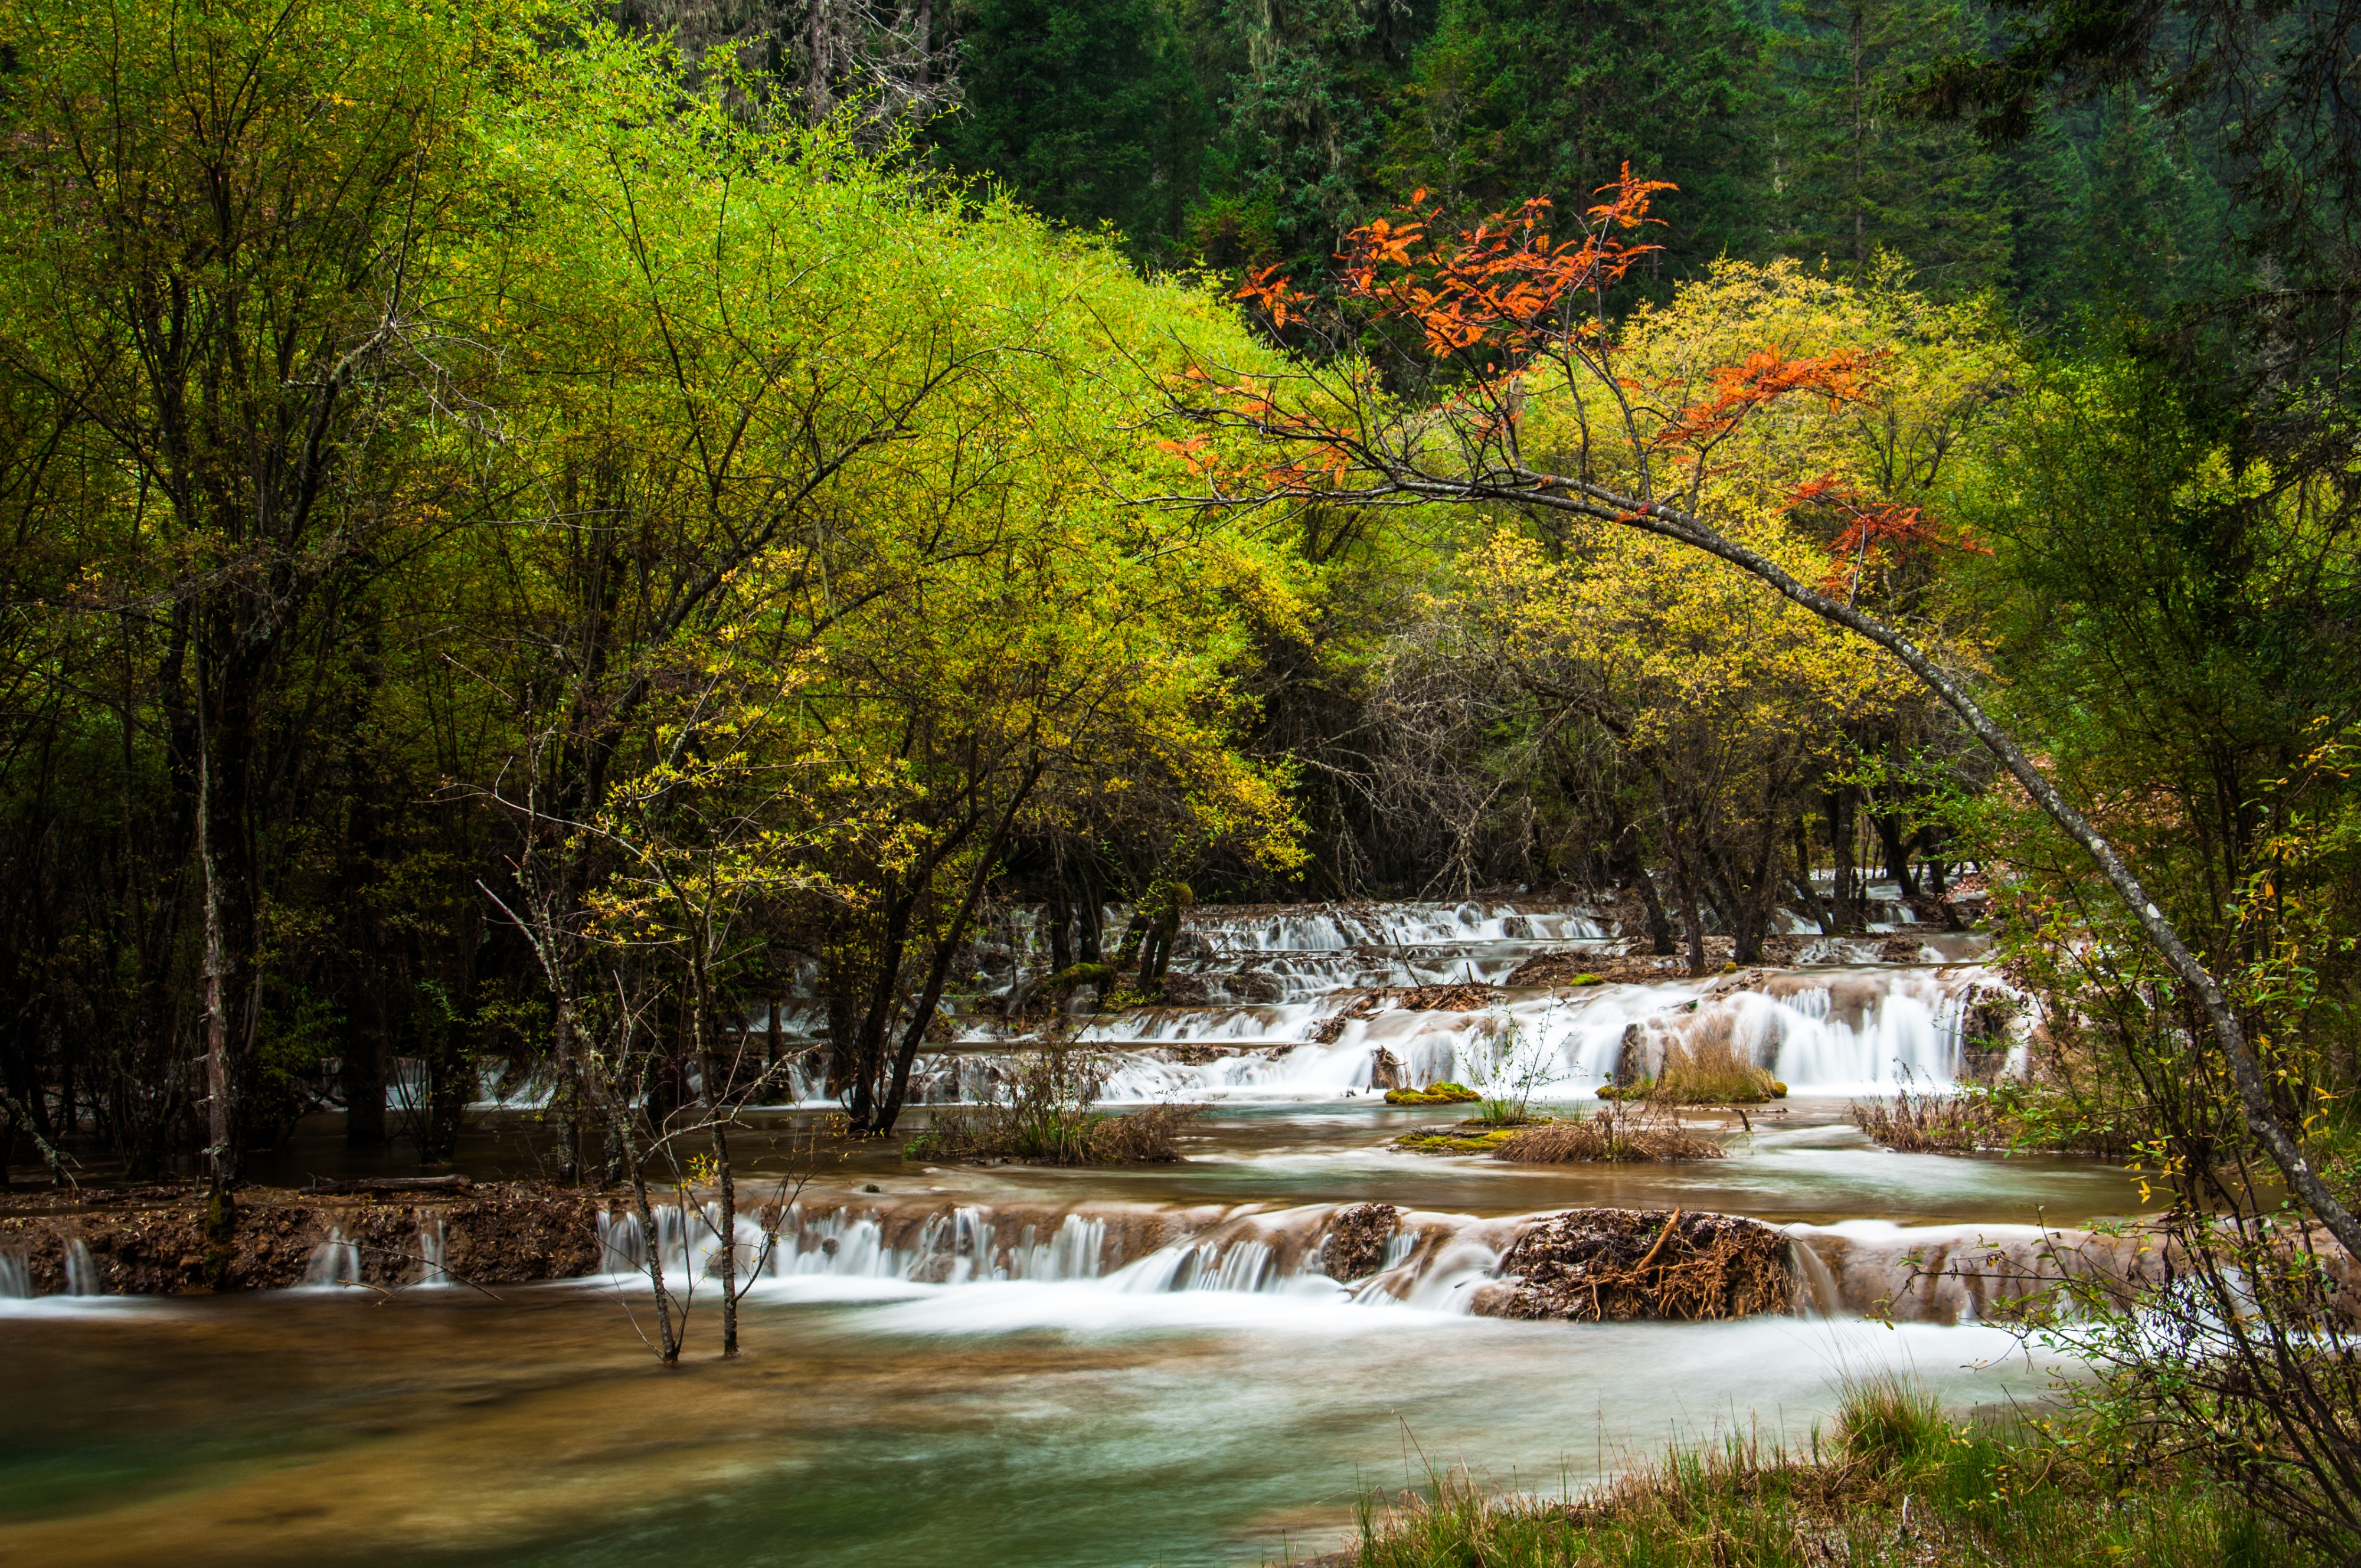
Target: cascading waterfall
{"points": [[334, 1263], [82, 1273], [1306, 1003], [1433, 1263], [1837, 1032], [431, 1250], [16, 1277]]}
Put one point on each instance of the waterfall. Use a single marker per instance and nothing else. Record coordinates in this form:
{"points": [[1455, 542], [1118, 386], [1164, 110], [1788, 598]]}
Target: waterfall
{"points": [[82, 1272], [430, 1250], [334, 1263], [16, 1277], [622, 1243]]}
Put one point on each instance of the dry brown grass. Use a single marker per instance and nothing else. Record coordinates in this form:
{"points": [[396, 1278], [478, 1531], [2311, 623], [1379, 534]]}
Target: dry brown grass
{"points": [[1930, 1123], [1613, 1137], [1709, 1069]]}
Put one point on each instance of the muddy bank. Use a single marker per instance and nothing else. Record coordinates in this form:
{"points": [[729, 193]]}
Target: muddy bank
{"points": [[151, 1242]]}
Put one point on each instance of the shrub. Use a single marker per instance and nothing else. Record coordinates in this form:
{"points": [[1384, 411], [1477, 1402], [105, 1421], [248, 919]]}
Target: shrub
{"points": [[1046, 1119], [1709, 1071], [1612, 1138]]}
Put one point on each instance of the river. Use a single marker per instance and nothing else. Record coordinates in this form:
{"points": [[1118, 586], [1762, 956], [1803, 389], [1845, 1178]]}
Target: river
{"points": [[951, 1366]]}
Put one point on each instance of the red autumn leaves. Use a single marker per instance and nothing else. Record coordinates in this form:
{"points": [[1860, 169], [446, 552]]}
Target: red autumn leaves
{"points": [[1495, 299]]}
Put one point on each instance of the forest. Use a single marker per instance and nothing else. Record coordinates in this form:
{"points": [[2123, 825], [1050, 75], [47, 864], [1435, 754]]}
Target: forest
{"points": [[542, 536]]}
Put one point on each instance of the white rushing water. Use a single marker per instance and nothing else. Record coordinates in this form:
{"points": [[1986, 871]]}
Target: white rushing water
{"points": [[1433, 1263], [1317, 1003], [333, 1264]]}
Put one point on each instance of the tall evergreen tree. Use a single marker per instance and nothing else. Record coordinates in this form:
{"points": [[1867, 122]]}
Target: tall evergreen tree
{"points": [[1086, 108], [1306, 92], [1855, 172], [1513, 100]]}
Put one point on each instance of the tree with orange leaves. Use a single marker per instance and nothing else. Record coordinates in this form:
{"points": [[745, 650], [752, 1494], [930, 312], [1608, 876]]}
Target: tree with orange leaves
{"points": [[1539, 400]]}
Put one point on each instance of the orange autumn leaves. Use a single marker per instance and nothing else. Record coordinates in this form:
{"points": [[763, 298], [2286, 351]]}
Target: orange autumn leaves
{"points": [[1499, 300]]}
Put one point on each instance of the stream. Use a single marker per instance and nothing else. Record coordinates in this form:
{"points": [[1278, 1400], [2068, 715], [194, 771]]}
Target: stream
{"points": [[951, 1365]]}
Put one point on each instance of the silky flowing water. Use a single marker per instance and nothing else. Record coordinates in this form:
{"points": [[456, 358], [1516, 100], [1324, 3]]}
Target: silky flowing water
{"points": [[1017, 1366]]}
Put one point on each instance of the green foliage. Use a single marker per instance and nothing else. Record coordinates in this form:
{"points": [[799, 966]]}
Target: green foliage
{"points": [[1508, 100], [1855, 174], [1908, 1489], [1442, 1093], [1089, 113]]}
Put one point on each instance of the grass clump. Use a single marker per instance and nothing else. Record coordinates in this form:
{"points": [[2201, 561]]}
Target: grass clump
{"points": [[1044, 1117], [2001, 1117], [1709, 1071], [1898, 1486], [1610, 1139], [1443, 1093]]}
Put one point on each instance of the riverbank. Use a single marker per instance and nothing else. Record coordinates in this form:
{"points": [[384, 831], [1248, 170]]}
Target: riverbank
{"points": [[1891, 1483], [154, 1240]]}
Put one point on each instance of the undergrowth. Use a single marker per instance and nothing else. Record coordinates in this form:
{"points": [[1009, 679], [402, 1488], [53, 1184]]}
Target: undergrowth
{"points": [[2010, 1117], [1043, 1116], [1893, 1484]]}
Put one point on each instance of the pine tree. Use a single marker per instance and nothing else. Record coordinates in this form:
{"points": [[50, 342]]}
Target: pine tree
{"points": [[1512, 100], [1088, 110], [1857, 172]]}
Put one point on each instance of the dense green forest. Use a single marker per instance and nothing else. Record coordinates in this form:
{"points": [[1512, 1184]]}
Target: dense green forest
{"points": [[536, 533]]}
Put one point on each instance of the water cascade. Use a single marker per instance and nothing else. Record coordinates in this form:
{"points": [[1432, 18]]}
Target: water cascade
{"points": [[82, 1272], [1915, 1273], [430, 1250], [334, 1263], [1336, 1001], [16, 1277]]}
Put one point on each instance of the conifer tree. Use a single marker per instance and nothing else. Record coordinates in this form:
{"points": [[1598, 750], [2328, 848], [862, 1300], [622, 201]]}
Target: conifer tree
{"points": [[1509, 100], [1088, 112], [1856, 173]]}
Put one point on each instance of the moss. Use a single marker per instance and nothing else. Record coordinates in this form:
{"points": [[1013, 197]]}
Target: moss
{"points": [[1455, 1141], [1443, 1093], [1073, 976], [1582, 980]]}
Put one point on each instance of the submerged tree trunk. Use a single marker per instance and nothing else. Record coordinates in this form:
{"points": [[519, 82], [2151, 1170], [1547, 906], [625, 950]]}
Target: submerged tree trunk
{"points": [[726, 1227]]}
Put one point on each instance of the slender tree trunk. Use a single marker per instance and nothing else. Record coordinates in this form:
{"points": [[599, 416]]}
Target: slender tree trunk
{"points": [[946, 949], [1062, 940], [1634, 870], [1803, 881], [1845, 892], [728, 1227]]}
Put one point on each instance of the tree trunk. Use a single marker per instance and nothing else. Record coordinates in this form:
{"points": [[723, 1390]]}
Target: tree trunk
{"points": [[1845, 894], [1896, 849], [1089, 945], [939, 973], [1803, 882], [1634, 871], [1062, 930], [365, 1054], [728, 1225]]}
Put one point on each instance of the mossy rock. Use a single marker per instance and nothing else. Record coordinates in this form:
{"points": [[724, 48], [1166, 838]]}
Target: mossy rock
{"points": [[1582, 979], [1073, 976], [1778, 1090], [1443, 1093], [1455, 1141]]}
